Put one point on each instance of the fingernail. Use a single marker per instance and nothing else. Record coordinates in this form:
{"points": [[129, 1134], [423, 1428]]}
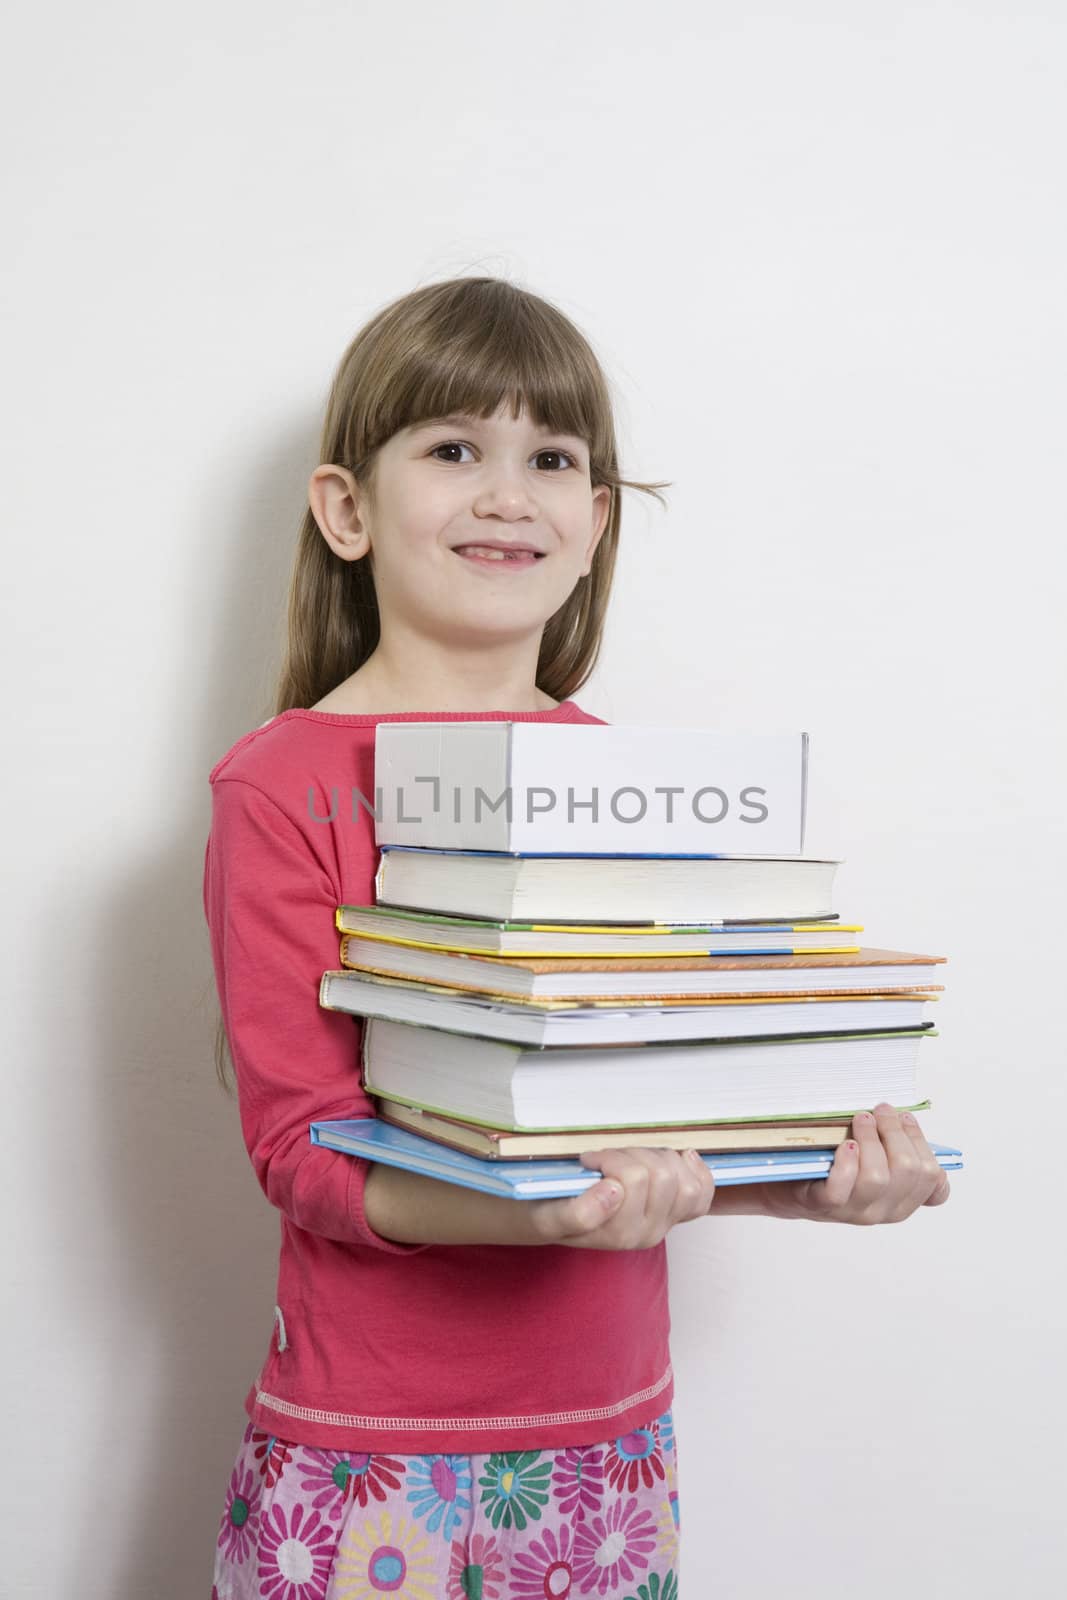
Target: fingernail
{"points": [[909, 1119], [864, 1116], [610, 1194], [850, 1144], [695, 1157]]}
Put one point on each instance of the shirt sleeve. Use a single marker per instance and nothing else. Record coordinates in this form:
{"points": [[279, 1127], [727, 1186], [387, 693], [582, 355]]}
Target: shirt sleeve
{"points": [[270, 904]]}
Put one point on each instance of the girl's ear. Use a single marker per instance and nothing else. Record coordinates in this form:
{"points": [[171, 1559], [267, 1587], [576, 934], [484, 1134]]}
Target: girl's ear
{"points": [[601, 512], [334, 497]]}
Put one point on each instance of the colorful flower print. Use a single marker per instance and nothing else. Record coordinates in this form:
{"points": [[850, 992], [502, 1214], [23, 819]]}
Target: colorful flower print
{"points": [[240, 1519], [612, 1549], [578, 1481], [665, 1424], [272, 1454], [296, 1551], [545, 1567], [515, 1487], [334, 1476], [475, 1569], [436, 1485], [654, 1589], [668, 1522], [635, 1458], [386, 1554]]}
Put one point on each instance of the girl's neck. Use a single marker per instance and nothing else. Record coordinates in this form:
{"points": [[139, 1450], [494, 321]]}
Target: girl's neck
{"points": [[374, 688]]}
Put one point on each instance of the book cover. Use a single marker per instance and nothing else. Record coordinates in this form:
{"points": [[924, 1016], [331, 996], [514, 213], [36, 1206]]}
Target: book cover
{"points": [[866, 956], [351, 919], [624, 979], [376, 1140], [501, 936], [595, 947], [333, 983]]}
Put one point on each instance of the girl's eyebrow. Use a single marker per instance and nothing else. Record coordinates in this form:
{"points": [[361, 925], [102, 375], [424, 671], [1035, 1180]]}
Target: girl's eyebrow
{"points": [[464, 419]]}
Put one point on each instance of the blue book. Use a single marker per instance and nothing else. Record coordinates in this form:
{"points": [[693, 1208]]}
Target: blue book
{"points": [[544, 1180]]}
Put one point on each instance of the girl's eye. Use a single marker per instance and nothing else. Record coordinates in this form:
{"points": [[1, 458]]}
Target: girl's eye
{"points": [[562, 453], [457, 444]]}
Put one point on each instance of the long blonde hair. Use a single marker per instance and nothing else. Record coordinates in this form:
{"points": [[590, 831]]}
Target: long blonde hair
{"points": [[463, 345]]}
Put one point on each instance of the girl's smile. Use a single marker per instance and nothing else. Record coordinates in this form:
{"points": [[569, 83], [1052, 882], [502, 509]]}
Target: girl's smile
{"points": [[514, 557]]}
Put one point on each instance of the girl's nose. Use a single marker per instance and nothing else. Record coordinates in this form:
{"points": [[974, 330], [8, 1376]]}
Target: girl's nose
{"points": [[505, 491]]}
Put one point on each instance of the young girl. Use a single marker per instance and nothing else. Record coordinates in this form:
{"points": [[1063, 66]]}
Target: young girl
{"points": [[463, 1396]]}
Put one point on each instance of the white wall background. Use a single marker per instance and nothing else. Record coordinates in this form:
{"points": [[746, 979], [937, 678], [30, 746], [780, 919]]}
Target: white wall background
{"points": [[820, 249]]}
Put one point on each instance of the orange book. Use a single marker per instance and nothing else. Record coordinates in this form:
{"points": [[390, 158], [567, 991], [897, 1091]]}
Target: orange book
{"points": [[660, 979]]}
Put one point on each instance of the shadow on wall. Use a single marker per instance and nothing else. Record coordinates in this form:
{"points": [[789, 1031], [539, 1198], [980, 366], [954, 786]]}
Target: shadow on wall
{"points": [[197, 1238]]}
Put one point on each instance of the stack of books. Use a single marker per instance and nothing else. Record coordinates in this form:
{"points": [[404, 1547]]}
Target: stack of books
{"points": [[524, 1004]]}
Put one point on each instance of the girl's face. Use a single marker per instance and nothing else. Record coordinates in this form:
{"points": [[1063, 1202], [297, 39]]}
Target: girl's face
{"points": [[446, 490]]}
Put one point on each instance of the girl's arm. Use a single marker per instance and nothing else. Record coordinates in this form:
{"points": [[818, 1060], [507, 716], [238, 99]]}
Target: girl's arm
{"points": [[634, 1206], [880, 1176], [408, 1207], [271, 892], [883, 1175]]}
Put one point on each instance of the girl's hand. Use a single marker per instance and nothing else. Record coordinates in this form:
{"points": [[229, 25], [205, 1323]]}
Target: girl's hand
{"points": [[642, 1195], [891, 1173]]}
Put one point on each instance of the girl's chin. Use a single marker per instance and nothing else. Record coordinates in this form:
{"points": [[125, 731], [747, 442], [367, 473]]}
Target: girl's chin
{"points": [[516, 615]]}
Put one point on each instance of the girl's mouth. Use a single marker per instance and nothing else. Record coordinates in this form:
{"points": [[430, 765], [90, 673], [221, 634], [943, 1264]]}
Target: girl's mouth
{"points": [[485, 555]]}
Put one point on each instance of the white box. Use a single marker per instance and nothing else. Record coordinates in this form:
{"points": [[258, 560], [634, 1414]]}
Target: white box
{"points": [[531, 787]]}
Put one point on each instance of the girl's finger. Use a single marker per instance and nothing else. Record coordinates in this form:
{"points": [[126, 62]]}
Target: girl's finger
{"points": [[704, 1192], [558, 1221], [910, 1123], [933, 1177], [940, 1194], [872, 1180], [661, 1188], [694, 1187], [905, 1161], [628, 1166], [834, 1191], [632, 1170]]}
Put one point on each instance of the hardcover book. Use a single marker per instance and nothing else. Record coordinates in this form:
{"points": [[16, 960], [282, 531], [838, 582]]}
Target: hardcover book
{"points": [[482, 935], [503, 1144], [556, 1086], [527, 1180], [524, 1022], [603, 888], [625, 978]]}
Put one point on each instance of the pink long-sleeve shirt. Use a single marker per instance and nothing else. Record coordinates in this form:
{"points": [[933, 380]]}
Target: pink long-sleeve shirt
{"points": [[378, 1345]]}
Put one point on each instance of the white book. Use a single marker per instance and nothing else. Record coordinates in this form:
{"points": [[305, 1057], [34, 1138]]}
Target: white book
{"points": [[514, 1086], [396, 1000], [588, 789], [603, 888]]}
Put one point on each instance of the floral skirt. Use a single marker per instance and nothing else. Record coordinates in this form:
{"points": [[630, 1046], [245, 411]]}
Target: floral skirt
{"points": [[600, 1520]]}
